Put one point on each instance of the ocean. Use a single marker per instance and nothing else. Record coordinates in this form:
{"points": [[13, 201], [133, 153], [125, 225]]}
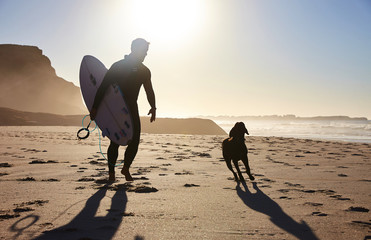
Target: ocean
{"points": [[339, 130]]}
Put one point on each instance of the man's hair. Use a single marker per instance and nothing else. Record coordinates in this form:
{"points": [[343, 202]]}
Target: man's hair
{"points": [[139, 44]]}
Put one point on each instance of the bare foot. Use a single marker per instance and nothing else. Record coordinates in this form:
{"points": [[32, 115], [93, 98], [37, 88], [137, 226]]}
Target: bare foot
{"points": [[111, 177], [126, 173]]}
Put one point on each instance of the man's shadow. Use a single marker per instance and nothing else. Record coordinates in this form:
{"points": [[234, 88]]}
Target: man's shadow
{"points": [[260, 202], [86, 225]]}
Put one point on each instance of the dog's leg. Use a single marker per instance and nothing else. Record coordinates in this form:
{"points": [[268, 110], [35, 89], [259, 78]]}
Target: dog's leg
{"points": [[245, 161], [229, 165], [238, 170]]}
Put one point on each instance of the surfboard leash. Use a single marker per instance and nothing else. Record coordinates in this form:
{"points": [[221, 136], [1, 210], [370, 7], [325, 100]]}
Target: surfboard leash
{"points": [[86, 129]]}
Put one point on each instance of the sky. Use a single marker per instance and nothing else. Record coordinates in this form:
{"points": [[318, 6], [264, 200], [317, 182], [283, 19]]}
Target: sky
{"points": [[214, 57]]}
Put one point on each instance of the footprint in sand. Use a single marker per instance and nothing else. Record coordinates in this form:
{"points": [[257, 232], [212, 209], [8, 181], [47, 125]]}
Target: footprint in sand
{"points": [[285, 197], [313, 204], [86, 179], [339, 197], [259, 175], [94, 162], [5, 165], [319, 214], [142, 189], [267, 180], [35, 202], [141, 178], [294, 184], [191, 185], [4, 215], [23, 209], [265, 186], [51, 180], [184, 173], [365, 224], [128, 214], [357, 209], [40, 161], [312, 164], [26, 179]]}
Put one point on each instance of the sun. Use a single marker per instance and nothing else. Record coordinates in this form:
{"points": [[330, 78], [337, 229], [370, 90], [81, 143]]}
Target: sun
{"points": [[165, 21]]}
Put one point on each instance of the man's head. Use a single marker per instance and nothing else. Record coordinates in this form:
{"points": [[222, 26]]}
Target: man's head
{"points": [[139, 48]]}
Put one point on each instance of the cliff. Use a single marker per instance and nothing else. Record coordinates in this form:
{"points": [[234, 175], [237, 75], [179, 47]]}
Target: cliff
{"points": [[28, 82]]}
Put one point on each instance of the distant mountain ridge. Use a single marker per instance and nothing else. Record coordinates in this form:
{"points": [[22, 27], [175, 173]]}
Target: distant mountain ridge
{"points": [[192, 126], [28, 82], [287, 117]]}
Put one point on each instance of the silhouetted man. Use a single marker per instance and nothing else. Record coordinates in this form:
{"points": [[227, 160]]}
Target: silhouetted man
{"points": [[129, 74]]}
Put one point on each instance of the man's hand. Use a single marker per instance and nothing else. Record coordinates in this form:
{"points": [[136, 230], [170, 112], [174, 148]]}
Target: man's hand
{"points": [[152, 111], [93, 114]]}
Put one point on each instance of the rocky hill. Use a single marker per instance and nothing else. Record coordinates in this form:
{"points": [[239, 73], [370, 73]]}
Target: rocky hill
{"points": [[28, 82]]}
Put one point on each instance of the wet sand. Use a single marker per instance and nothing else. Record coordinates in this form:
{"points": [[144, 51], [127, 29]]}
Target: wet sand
{"points": [[54, 186]]}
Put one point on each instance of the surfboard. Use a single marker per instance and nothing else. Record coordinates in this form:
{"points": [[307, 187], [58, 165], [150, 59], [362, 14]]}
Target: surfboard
{"points": [[113, 116]]}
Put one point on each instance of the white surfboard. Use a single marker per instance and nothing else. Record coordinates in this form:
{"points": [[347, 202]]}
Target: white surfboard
{"points": [[113, 116]]}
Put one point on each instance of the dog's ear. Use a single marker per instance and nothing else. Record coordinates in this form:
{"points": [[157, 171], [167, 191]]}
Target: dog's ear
{"points": [[244, 127]]}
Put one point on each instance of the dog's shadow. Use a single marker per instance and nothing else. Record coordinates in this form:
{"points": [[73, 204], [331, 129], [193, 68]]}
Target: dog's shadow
{"points": [[86, 225], [260, 202]]}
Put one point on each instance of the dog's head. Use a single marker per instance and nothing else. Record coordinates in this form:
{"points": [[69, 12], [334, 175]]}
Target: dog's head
{"points": [[238, 131]]}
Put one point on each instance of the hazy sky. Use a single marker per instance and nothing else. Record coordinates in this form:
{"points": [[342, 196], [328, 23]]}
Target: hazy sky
{"points": [[215, 57]]}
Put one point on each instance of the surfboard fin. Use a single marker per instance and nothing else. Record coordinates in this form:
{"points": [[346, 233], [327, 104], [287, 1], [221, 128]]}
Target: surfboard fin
{"points": [[106, 132]]}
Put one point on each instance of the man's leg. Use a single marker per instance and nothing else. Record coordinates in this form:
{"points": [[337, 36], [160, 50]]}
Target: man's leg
{"points": [[132, 149], [112, 158], [130, 154]]}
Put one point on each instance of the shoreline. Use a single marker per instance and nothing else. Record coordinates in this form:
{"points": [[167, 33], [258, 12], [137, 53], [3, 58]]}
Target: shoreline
{"points": [[303, 137], [316, 132]]}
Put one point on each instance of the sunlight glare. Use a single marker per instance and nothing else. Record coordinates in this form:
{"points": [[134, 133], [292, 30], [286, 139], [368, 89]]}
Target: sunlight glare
{"points": [[166, 21]]}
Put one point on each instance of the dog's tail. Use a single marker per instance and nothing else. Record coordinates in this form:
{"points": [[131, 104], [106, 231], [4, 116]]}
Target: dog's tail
{"points": [[224, 145]]}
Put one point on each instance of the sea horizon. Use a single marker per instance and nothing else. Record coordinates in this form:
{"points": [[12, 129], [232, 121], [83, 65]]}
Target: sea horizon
{"points": [[337, 128]]}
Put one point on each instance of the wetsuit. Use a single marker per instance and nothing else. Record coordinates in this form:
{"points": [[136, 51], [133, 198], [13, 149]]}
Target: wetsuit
{"points": [[129, 76]]}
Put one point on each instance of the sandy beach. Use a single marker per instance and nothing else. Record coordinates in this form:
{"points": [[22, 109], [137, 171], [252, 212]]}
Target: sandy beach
{"points": [[54, 186]]}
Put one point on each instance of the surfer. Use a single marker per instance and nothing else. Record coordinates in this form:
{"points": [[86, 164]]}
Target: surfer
{"points": [[129, 74]]}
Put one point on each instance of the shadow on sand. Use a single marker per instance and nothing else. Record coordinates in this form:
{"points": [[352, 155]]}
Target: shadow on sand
{"points": [[260, 202], [88, 226]]}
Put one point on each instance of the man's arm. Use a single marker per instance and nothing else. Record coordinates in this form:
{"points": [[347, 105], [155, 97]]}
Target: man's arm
{"points": [[151, 99]]}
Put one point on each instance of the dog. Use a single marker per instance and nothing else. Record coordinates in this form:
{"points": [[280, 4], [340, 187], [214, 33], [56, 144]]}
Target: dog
{"points": [[234, 149]]}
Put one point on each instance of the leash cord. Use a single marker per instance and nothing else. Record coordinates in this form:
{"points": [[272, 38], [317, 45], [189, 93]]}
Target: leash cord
{"points": [[86, 129]]}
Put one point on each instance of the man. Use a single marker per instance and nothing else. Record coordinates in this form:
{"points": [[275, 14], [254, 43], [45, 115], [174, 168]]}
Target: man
{"points": [[129, 74]]}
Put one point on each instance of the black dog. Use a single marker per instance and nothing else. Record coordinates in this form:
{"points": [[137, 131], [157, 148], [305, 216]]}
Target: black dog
{"points": [[234, 149]]}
